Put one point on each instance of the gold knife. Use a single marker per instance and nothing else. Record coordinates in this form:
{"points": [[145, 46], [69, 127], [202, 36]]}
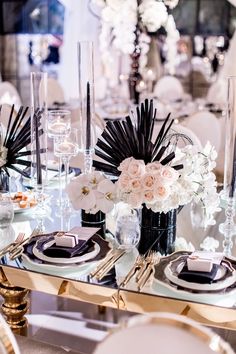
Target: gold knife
{"points": [[137, 266], [110, 264], [103, 263]]}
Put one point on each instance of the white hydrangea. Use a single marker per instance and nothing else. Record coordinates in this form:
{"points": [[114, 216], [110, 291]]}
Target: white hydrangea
{"points": [[153, 14]]}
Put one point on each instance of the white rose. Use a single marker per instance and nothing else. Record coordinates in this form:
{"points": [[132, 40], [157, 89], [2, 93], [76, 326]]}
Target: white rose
{"points": [[124, 164], [169, 175], [136, 168], [154, 167], [162, 192], [135, 184], [123, 181], [148, 196], [148, 181]]}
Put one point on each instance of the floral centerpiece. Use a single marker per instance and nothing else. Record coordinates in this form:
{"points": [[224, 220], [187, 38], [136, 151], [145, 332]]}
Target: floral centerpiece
{"points": [[13, 142], [155, 175], [95, 195], [126, 26]]}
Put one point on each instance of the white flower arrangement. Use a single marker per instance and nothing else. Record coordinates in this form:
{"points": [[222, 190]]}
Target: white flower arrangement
{"points": [[162, 188], [120, 18], [92, 192]]}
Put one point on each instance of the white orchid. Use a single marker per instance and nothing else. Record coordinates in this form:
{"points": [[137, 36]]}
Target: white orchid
{"points": [[92, 192]]}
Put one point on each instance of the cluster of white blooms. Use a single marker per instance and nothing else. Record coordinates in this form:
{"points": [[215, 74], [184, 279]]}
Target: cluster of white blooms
{"points": [[171, 44], [119, 20], [197, 182], [92, 192], [153, 14], [162, 188]]}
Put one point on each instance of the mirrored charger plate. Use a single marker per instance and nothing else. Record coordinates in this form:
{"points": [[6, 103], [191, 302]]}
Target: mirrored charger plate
{"points": [[31, 262], [225, 276], [164, 287], [151, 334], [38, 252]]}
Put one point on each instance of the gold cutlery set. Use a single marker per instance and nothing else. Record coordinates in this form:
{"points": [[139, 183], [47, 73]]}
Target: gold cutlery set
{"points": [[107, 264], [16, 248], [143, 268]]}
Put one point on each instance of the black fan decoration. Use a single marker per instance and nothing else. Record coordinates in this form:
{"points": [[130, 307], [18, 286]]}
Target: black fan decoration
{"points": [[123, 139], [18, 137]]}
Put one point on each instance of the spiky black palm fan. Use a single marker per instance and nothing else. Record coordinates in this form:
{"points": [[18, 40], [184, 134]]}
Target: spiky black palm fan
{"points": [[17, 138], [123, 139]]}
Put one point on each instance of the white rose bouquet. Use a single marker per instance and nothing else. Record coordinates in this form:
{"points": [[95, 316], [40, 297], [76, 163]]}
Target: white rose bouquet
{"points": [[162, 188]]}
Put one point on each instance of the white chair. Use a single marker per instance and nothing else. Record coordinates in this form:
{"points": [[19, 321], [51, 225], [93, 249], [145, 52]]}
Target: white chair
{"points": [[8, 342], [162, 333], [9, 94], [55, 92], [207, 128], [178, 128], [169, 88], [5, 113]]}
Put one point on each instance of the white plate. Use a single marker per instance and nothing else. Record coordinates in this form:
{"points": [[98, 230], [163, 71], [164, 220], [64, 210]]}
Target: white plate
{"points": [[219, 285], [71, 260], [141, 332], [56, 269]]}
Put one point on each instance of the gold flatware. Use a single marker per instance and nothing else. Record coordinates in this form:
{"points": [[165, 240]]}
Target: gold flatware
{"points": [[8, 248], [109, 265], [136, 267], [19, 248], [103, 263], [147, 260], [148, 271]]}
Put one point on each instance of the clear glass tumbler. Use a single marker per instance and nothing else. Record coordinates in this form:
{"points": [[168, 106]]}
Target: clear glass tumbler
{"points": [[6, 210], [127, 233]]}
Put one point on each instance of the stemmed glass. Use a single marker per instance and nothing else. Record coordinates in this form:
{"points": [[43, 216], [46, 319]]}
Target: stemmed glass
{"points": [[58, 126], [38, 90], [228, 195], [6, 216], [66, 147]]}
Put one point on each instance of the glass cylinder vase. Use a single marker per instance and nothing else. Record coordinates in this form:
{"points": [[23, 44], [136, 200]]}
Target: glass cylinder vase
{"points": [[158, 231], [97, 220], [228, 228], [86, 96]]}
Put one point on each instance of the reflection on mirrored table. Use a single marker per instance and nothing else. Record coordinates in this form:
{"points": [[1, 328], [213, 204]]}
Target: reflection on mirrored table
{"points": [[117, 277]]}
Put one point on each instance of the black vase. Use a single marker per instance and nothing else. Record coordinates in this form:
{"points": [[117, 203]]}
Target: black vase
{"points": [[94, 220], [158, 231], [4, 181]]}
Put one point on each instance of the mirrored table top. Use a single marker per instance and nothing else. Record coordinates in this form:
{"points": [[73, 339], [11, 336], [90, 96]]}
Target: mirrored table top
{"points": [[189, 237]]}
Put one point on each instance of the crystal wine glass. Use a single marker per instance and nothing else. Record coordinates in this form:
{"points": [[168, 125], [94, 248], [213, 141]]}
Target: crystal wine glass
{"points": [[66, 147], [58, 126]]}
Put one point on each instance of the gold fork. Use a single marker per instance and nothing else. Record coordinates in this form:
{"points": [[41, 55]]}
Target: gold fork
{"points": [[19, 248], [136, 267], [147, 260], [11, 246], [148, 271]]}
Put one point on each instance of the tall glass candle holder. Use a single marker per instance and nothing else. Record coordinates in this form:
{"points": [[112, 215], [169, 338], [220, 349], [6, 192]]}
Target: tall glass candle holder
{"points": [[86, 93], [228, 228], [38, 90]]}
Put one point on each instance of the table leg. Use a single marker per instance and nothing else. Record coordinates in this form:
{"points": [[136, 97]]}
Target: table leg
{"points": [[15, 306]]}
